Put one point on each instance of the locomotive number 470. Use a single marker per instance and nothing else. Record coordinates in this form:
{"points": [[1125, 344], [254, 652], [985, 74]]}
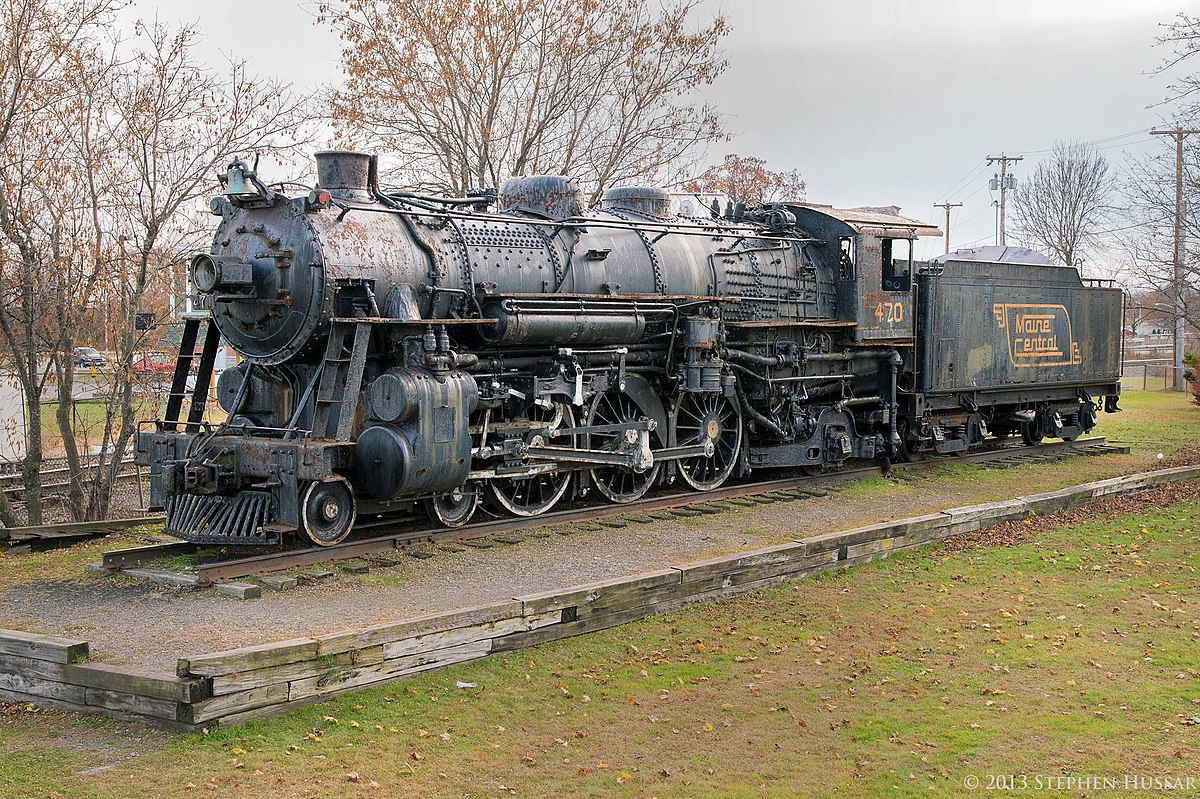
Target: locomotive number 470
{"points": [[891, 311]]}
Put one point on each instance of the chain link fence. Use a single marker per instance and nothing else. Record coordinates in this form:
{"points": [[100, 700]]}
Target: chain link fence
{"points": [[1151, 374]]}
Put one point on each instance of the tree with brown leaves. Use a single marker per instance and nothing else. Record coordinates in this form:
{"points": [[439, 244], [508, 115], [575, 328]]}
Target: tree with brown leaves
{"points": [[466, 93], [746, 179], [106, 148]]}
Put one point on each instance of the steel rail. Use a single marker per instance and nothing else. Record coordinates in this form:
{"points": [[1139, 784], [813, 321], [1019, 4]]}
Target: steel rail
{"points": [[220, 571]]}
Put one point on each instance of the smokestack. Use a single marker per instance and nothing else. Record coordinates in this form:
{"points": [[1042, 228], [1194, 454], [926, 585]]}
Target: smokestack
{"points": [[344, 174]]}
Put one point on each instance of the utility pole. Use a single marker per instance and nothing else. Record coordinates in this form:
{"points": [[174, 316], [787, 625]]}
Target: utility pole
{"points": [[947, 206], [1004, 183], [1177, 273]]}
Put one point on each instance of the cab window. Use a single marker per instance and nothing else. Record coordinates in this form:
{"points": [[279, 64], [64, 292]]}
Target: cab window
{"points": [[846, 258], [897, 264]]}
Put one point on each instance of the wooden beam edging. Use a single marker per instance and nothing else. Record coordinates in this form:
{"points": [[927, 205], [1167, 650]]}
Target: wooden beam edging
{"points": [[228, 688]]}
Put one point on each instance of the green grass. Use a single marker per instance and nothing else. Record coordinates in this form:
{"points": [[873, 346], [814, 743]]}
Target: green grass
{"points": [[1072, 653]]}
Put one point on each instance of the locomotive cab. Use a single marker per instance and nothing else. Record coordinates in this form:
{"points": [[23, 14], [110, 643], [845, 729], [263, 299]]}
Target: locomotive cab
{"points": [[874, 253]]}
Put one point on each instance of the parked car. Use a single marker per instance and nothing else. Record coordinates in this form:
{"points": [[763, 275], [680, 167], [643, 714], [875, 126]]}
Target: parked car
{"points": [[154, 363], [89, 357]]}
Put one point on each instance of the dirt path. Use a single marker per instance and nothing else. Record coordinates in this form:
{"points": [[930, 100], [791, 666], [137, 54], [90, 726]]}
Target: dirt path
{"points": [[132, 622]]}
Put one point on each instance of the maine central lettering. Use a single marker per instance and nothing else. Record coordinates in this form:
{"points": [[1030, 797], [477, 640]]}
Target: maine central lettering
{"points": [[1038, 335]]}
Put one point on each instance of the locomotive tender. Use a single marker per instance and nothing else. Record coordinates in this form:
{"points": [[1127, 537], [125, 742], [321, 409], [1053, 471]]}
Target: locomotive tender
{"points": [[404, 350]]}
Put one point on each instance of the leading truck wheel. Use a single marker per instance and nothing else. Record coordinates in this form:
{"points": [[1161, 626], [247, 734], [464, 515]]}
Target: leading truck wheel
{"points": [[454, 508], [327, 511]]}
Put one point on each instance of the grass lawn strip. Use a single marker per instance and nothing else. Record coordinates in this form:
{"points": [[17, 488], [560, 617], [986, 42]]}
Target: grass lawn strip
{"points": [[1068, 650]]}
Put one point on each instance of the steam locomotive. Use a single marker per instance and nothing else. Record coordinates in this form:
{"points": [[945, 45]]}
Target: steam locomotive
{"points": [[516, 349]]}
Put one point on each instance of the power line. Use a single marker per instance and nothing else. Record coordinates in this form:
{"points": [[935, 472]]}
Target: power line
{"points": [[965, 179]]}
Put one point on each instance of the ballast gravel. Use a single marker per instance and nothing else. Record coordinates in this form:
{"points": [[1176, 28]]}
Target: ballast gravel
{"points": [[133, 622]]}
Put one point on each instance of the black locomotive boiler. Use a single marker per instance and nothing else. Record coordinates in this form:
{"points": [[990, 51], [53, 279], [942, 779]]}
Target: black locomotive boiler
{"points": [[518, 349]]}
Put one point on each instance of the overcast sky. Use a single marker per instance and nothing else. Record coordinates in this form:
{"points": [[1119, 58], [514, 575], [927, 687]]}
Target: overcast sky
{"points": [[876, 102]]}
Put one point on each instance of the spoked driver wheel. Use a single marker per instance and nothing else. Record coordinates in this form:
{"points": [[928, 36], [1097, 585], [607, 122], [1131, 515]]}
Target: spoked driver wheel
{"points": [[454, 508], [698, 418], [617, 483], [536, 494], [327, 511]]}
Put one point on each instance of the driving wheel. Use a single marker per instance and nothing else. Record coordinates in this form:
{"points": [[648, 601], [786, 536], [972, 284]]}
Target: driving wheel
{"points": [[698, 418], [617, 483], [531, 495]]}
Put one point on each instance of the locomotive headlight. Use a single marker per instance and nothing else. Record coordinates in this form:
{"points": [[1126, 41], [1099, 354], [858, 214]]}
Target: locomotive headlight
{"points": [[205, 274], [212, 271]]}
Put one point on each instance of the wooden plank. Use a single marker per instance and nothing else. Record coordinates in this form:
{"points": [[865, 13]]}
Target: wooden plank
{"points": [[23, 697], [1055, 501], [163, 577], [240, 702], [316, 666], [358, 677], [780, 554], [132, 703], [986, 514], [736, 574], [28, 667], [601, 620], [133, 680], [239, 590], [858, 535], [607, 591], [38, 686], [465, 635], [248, 658], [42, 647], [395, 631]]}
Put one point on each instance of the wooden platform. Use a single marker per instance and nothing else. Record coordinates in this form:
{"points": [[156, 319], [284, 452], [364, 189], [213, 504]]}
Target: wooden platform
{"points": [[227, 688]]}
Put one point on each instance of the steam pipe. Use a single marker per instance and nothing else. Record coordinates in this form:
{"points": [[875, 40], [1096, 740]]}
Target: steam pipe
{"points": [[758, 418]]}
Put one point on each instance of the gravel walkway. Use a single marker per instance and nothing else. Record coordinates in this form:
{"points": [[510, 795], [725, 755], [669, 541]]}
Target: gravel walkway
{"points": [[131, 622]]}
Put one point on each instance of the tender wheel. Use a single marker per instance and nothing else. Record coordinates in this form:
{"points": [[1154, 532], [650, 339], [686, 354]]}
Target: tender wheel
{"points": [[327, 511], [454, 508], [617, 483], [536, 494], [1033, 432], [707, 417], [906, 452]]}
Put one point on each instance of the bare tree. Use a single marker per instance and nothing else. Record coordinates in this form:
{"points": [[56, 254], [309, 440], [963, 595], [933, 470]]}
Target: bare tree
{"points": [[1150, 187], [1183, 37], [104, 158], [176, 122], [745, 178], [46, 44], [1149, 236], [469, 92], [1062, 207]]}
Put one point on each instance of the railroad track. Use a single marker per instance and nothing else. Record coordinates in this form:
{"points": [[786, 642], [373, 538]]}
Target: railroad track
{"points": [[49, 536], [677, 504]]}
